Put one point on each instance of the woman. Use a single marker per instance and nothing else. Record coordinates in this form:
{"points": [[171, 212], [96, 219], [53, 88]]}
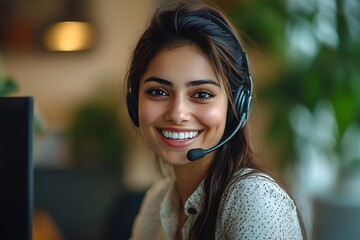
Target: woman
{"points": [[189, 92]]}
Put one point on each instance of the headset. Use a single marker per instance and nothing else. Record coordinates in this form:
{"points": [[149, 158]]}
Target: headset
{"points": [[242, 92]]}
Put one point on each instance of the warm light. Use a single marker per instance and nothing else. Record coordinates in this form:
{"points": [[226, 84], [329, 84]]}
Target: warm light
{"points": [[69, 36]]}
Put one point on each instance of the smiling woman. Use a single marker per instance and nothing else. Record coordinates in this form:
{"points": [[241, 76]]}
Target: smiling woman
{"points": [[184, 104], [190, 89]]}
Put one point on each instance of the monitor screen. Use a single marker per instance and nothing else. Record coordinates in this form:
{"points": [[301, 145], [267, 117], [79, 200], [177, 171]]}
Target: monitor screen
{"points": [[16, 177]]}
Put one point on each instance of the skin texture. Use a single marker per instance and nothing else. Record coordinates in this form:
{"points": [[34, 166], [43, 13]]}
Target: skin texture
{"points": [[179, 92]]}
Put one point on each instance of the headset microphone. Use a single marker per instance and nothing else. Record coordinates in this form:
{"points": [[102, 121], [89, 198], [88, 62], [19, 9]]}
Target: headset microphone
{"points": [[197, 153]]}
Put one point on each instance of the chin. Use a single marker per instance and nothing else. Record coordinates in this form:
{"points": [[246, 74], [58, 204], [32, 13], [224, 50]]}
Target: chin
{"points": [[175, 159]]}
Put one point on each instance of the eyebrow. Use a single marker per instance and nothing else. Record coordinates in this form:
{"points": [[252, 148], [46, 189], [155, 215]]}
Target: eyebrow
{"points": [[188, 84], [201, 82], [159, 80]]}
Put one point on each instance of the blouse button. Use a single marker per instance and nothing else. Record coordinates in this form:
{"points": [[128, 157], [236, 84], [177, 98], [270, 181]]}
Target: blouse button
{"points": [[192, 211]]}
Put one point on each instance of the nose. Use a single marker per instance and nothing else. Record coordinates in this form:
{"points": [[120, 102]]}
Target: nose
{"points": [[178, 111]]}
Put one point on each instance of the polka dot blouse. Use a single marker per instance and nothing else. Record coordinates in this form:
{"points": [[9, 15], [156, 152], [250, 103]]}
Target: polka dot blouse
{"points": [[252, 207]]}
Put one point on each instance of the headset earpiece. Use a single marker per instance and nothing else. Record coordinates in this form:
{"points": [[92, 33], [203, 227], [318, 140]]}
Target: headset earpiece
{"points": [[132, 106], [242, 103], [238, 114]]}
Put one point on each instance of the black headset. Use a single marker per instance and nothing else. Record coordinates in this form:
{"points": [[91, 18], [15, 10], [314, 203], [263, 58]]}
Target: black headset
{"points": [[242, 89]]}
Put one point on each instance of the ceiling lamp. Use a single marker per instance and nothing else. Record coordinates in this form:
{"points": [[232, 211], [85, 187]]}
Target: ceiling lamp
{"points": [[69, 36], [72, 33]]}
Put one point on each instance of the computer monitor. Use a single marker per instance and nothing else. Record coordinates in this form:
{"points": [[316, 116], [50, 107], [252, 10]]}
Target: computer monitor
{"points": [[16, 168]]}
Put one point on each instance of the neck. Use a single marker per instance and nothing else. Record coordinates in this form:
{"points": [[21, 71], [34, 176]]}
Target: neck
{"points": [[189, 176]]}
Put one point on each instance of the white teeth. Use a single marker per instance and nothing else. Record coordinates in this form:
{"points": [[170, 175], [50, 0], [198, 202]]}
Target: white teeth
{"points": [[180, 135], [186, 135]]}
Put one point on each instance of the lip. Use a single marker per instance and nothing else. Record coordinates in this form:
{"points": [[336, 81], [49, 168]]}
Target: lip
{"points": [[178, 143]]}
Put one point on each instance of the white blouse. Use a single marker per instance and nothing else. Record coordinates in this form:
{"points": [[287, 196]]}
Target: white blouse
{"points": [[252, 207]]}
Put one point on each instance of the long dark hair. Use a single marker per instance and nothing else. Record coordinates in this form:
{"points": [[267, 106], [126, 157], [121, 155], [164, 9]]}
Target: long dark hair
{"points": [[179, 25]]}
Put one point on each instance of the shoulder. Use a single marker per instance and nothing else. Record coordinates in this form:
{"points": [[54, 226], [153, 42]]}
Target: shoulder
{"points": [[148, 219], [256, 205], [259, 187]]}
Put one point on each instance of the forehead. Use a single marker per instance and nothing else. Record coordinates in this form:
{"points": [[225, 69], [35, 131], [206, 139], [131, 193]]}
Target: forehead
{"points": [[186, 62]]}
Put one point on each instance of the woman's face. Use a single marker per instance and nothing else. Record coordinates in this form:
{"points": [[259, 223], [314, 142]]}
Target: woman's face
{"points": [[182, 105]]}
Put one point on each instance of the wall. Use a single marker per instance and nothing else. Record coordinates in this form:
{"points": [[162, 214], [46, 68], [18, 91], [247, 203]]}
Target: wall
{"points": [[60, 82]]}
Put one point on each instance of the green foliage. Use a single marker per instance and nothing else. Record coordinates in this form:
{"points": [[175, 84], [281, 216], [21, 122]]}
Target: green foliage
{"points": [[317, 46], [263, 22], [97, 141], [7, 84]]}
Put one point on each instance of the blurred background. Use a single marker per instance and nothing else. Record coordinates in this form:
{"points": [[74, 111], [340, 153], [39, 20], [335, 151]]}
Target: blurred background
{"points": [[91, 167]]}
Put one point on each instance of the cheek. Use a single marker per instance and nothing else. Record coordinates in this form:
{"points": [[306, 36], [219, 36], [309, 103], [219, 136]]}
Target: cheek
{"points": [[215, 116], [148, 113]]}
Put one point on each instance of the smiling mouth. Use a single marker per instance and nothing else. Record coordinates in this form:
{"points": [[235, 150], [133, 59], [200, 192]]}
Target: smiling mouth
{"points": [[179, 135]]}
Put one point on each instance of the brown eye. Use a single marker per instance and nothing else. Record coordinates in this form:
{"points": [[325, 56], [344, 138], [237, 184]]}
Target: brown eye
{"points": [[157, 92], [203, 95]]}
